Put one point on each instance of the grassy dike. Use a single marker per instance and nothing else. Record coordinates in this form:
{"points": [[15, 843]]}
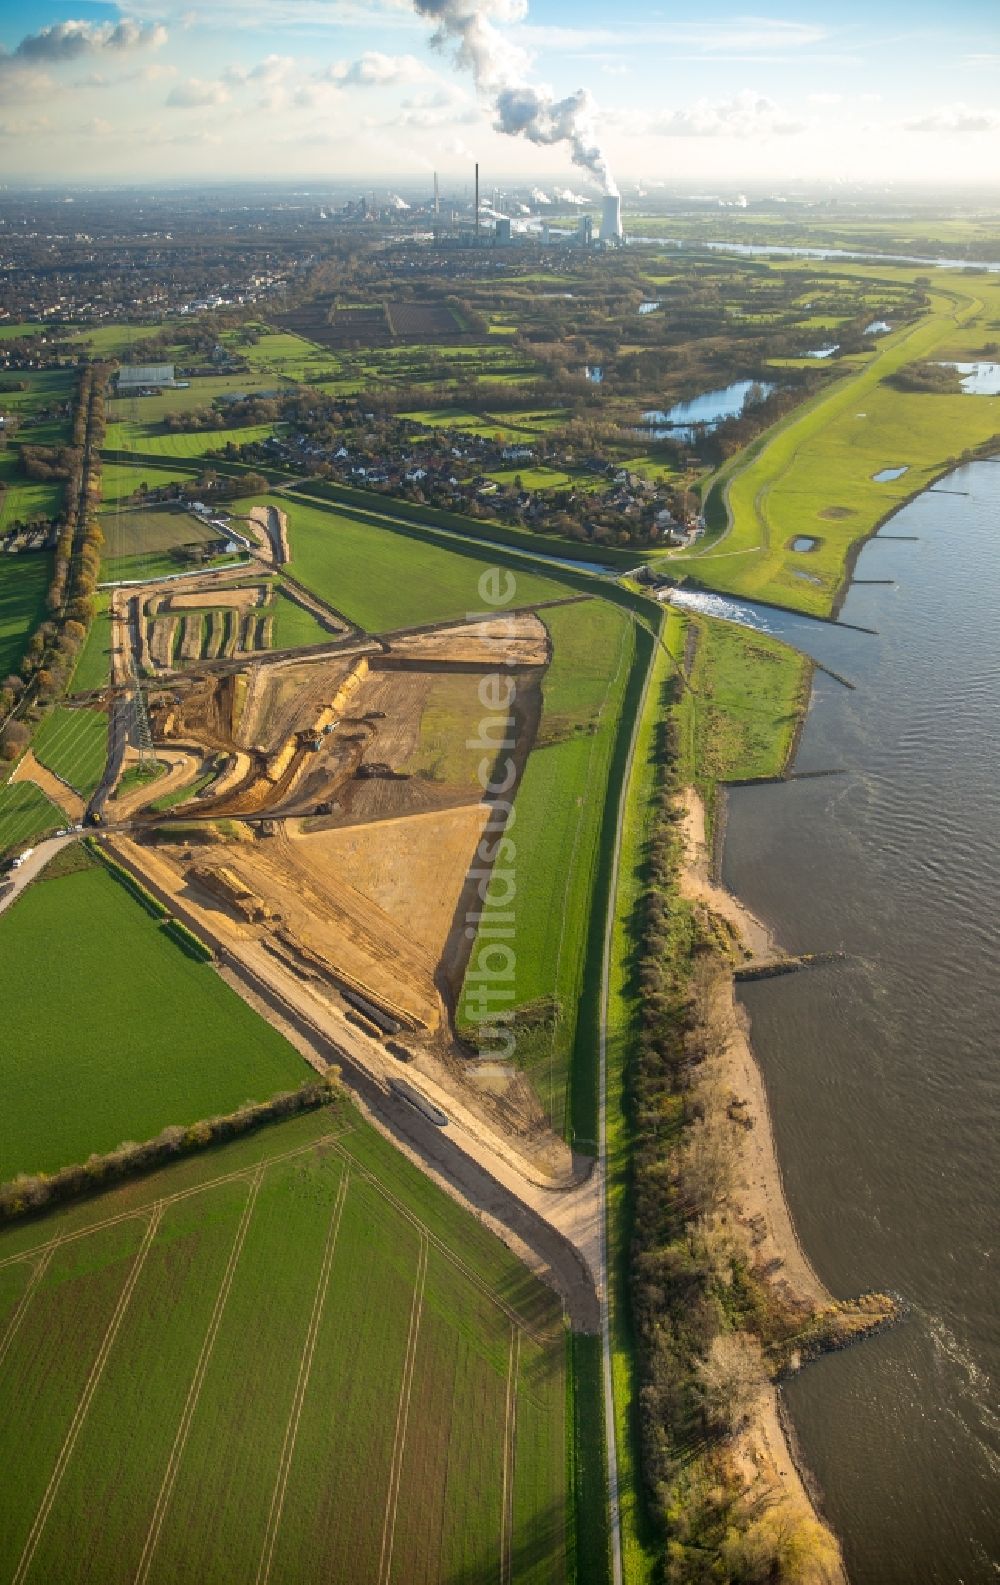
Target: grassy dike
{"points": [[813, 474], [637, 1531]]}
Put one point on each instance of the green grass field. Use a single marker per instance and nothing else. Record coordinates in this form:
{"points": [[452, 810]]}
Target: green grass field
{"points": [[120, 480], [38, 406], [23, 583], [112, 1032], [559, 809], [813, 474], [73, 743], [25, 500], [25, 813], [155, 442], [292, 625], [737, 720], [382, 579], [312, 1364], [93, 669]]}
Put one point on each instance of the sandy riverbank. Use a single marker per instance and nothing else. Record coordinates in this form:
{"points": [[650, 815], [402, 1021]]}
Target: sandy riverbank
{"points": [[762, 1451]]}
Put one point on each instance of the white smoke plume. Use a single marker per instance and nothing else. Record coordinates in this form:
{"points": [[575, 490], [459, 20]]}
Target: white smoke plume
{"points": [[468, 30]]}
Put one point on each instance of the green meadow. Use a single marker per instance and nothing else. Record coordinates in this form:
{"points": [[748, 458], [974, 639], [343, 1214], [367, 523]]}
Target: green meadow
{"points": [[112, 1031]]}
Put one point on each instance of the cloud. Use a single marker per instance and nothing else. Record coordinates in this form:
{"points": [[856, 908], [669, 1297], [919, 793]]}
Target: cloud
{"points": [[195, 93], [66, 41], [375, 70], [955, 118], [97, 127], [272, 70], [825, 99], [746, 115]]}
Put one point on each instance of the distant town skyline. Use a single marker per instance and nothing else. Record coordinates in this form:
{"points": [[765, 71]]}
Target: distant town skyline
{"points": [[165, 91]]}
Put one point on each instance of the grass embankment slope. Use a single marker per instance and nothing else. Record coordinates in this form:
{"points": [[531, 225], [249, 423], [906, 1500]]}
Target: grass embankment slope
{"points": [[558, 816], [112, 1032], [382, 578], [313, 1363], [814, 476]]}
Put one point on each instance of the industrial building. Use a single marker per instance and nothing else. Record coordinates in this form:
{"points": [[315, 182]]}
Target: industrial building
{"points": [[611, 219], [145, 377]]}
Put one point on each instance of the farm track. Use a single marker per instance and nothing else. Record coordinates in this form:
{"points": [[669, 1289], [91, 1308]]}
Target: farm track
{"points": [[509, 1460]]}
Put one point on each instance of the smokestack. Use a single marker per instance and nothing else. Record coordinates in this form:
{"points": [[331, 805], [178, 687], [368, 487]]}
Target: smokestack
{"points": [[437, 195], [477, 201], [611, 219]]}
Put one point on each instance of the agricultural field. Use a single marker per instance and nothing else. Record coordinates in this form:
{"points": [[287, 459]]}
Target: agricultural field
{"points": [[131, 534], [73, 744], [151, 441], [25, 813], [326, 1368], [382, 579], [559, 809], [128, 1035], [23, 583]]}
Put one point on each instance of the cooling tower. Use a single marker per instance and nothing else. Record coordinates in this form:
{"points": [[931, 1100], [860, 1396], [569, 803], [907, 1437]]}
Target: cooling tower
{"points": [[611, 219]]}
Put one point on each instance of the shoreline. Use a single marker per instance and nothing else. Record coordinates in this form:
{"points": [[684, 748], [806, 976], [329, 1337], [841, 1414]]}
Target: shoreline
{"points": [[764, 1451]]}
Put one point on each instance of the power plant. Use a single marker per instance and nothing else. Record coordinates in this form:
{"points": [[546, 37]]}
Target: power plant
{"points": [[611, 219]]}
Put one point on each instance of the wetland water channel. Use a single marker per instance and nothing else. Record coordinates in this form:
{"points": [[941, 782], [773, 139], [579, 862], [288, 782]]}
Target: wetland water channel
{"points": [[882, 1071]]}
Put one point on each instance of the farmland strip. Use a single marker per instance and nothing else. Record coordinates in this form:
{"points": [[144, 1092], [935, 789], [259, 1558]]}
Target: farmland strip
{"points": [[26, 1297], [170, 1199], [194, 1393], [402, 1416], [509, 1438], [97, 1370], [301, 1387]]}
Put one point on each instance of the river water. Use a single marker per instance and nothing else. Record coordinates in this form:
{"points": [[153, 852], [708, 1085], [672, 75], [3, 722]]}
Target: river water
{"points": [[883, 1071]]}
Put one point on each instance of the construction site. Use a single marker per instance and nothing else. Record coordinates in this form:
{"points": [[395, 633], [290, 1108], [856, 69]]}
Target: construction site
{"points": [[316, 813]]}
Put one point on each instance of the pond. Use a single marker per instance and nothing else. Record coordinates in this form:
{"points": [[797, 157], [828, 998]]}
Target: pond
{"points": [[878, 327], [594, 373], [803, 542], [978, 379], [885, 475], [704, 412], [824, 352]]}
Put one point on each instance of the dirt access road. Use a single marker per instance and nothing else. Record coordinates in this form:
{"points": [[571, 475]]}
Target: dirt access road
{"points": [[553, 1225]]}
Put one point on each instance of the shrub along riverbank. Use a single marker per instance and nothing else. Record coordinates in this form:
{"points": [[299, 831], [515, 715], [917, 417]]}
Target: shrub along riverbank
{"points": [[699, 1330]]}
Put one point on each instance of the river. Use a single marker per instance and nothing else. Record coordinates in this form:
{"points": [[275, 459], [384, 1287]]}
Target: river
{"points": [[883, 1071]]}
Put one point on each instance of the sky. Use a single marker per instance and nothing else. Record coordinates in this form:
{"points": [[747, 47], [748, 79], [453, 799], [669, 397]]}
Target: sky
{"points": [[705, 92]]}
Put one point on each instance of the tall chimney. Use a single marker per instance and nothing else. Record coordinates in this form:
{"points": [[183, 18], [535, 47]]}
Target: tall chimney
{"points": [[477, 202], [437, 195]]}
